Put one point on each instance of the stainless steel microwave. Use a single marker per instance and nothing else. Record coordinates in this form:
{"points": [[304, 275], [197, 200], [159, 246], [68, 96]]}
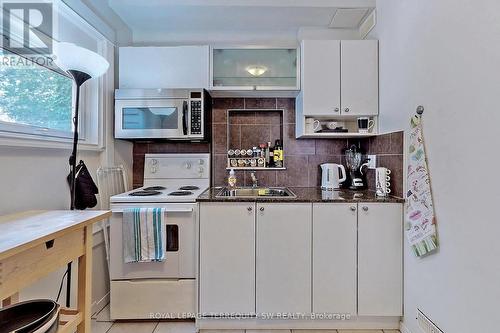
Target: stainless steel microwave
{"points": [[174, 114]]}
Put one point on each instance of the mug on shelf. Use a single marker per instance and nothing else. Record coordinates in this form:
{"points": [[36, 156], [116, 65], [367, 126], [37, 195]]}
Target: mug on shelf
{"points": [[365, 124], [312, 125]]}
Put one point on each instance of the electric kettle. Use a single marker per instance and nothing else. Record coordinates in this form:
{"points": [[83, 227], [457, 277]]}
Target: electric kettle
{"points": [[330, 176]]}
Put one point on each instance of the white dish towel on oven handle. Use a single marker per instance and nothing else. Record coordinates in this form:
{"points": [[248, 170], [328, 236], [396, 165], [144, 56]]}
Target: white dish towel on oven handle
{"points": [[144, 235]]}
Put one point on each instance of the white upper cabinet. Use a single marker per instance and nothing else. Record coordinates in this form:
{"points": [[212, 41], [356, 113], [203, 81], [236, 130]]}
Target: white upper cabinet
{"points": [[164, 67], [359, 77], [338, 78], [320, 75], [254, 69]]}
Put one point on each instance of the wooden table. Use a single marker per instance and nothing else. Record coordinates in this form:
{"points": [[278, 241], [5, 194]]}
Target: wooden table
{"points": [[36, 243]]}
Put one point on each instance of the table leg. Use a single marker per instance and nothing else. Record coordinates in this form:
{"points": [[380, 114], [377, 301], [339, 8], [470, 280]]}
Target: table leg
{"points": [[85, 283], [10, 300]]}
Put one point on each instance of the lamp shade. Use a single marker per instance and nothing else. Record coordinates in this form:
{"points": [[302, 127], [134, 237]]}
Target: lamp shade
{"points": [[70, 57]]}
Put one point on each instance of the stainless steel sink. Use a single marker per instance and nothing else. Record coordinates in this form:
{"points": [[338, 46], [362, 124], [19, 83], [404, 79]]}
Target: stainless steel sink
{"points": [[256, 192]]}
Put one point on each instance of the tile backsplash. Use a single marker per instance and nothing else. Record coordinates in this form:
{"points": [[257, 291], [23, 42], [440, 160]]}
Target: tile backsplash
{"points": [[389, 149], [302, 157]]}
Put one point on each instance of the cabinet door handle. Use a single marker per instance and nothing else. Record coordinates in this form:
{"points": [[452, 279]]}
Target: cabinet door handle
{"points": [[336, 110], [249, 209], [353, 208], [365, 208], [346, 110], [261, 209]]}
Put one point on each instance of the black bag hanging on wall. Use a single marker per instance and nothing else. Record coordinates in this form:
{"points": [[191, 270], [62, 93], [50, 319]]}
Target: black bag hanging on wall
{"points": [[85, 188]]}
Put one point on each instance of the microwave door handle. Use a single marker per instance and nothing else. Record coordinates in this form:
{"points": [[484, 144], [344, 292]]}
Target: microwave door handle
{"points": [[185, 118]]}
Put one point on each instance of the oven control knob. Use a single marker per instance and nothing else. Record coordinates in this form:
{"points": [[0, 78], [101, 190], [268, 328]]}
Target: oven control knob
{"points": [[201, 169], [201, 161], [154, 161], [187, 165], [153, 169]]}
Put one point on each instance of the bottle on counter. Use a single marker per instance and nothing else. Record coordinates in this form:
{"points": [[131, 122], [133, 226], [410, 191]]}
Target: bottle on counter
{"points": [[231, 180], [278, 154]]}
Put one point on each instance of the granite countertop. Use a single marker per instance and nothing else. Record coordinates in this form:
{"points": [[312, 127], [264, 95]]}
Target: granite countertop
{"points": [[306, 194]]}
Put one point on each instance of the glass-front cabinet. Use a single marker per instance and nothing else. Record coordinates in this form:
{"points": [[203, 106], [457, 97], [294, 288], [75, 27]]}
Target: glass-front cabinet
{"points": [[255, 69]]}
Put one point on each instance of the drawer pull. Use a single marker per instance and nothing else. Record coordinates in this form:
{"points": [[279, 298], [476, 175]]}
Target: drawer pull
{"points": [[49, 244]]}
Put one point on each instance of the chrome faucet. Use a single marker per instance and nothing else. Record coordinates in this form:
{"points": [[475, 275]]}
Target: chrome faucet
{"points": [[255, 181]]}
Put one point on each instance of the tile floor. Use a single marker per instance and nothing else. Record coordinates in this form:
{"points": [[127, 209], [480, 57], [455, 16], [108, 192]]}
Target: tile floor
{"points": [[102, 324]]}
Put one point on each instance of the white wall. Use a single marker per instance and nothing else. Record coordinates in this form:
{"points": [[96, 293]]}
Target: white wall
{"points": [[35, 178], [445, 55]]}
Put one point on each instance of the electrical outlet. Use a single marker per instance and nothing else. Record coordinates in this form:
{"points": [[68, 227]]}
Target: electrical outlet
{"points": [[372, 163]]}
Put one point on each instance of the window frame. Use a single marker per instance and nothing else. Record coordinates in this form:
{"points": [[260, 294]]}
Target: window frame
{"points": [[92, 98]]}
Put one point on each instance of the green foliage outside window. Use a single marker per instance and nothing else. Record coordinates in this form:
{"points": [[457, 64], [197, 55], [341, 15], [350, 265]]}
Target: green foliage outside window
{"points": [[34, 95]]}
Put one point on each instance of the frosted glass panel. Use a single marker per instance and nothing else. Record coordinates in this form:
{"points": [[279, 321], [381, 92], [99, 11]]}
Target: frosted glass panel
{"points": [[255, 67]]}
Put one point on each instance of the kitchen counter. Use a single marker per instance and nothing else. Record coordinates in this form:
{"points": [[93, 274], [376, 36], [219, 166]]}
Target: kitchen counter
{"points": [[305, 194]]}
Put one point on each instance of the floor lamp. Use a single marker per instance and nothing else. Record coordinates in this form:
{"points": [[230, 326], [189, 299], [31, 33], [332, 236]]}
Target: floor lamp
{"points": [[82, 65]]}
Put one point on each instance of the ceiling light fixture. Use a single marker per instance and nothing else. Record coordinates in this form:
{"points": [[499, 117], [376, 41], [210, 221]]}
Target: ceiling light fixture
{"points": [[256, 70]]}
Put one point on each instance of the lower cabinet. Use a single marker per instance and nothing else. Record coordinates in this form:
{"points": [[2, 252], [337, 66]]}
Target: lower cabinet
{"points": [[334, 258], [227, 258], [380, 261], [283, 258]]}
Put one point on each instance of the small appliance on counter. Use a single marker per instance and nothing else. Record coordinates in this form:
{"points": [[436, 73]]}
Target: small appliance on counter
{"points": [[330, 176], [357, 166]]}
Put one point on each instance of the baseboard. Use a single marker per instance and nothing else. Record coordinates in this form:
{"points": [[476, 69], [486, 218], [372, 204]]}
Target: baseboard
{"points": [[100, 304], [355, 323], [403, 328]]}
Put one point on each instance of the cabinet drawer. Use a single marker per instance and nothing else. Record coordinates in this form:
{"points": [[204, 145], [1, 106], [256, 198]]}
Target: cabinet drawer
{"points": [[147, 299], [18, 271]]}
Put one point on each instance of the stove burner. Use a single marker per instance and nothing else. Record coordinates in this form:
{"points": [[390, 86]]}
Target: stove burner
{"points": [[144, 193], [154, 188], [180, 193], [189, 188]]}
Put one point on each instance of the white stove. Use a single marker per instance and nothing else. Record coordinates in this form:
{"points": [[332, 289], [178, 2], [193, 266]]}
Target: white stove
{"points": [[172, 182], [170, 178]]}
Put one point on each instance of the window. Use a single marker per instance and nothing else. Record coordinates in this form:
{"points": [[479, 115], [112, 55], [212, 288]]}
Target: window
{"points": [[34, 99], [37, 98]]}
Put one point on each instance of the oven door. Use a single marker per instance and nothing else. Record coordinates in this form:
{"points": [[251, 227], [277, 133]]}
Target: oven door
{"points": [[180, 260], [152, 119]]}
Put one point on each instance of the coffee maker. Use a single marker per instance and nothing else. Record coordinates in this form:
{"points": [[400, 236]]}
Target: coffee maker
{"points": [[357, 166]]}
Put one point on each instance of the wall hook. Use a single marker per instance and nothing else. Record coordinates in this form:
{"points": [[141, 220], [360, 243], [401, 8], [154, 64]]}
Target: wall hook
{"points": [[420, 110]]}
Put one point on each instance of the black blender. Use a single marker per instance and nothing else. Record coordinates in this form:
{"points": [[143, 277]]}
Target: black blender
{"points": [[356, 166]]}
